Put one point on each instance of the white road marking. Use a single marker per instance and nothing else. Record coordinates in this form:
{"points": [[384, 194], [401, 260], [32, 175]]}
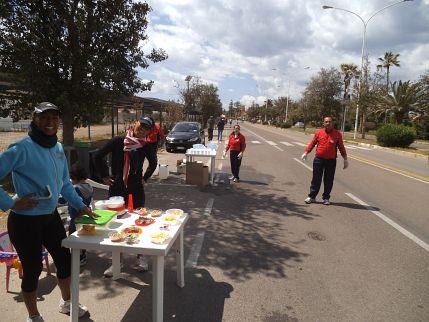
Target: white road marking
{"points": [[271, 143], [350, 147], [256, 142], [300, 144], [308, 167], [209, 207], [389, 221], [195, 251], [264, 139], [287, 143]]}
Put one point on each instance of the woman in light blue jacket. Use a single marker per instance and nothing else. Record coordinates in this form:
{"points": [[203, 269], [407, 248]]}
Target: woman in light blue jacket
{"points": [[40, 174]]}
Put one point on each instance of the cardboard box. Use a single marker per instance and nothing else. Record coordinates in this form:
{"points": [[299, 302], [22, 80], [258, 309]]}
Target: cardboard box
{"points": [[197, 174]]}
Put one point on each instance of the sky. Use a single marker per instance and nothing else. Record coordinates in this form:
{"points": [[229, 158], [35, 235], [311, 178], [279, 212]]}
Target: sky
{"points": [[254, 50]]}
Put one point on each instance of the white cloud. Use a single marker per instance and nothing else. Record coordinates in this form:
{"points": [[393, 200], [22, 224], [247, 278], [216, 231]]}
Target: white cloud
{"points": [[236, 44]]}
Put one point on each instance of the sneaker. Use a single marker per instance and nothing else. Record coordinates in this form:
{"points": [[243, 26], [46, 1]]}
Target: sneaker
{"points": [[326, 202], [141, 264], [109, 272], [236, 180], [309, 200], [231, 177], [64, 307], [36, 318], [83, 260]]}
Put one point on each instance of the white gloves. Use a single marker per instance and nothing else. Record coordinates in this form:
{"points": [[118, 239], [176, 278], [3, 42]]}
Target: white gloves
{"points": [[346, 164], [304, 156], [240, 155]]}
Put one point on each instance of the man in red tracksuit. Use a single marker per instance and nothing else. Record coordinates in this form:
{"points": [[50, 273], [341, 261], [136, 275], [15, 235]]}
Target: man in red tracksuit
{"points": [[327, 140]]}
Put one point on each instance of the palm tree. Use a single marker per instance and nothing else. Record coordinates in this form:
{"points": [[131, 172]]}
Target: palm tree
{"points": [[390, 59], [405, 97]]}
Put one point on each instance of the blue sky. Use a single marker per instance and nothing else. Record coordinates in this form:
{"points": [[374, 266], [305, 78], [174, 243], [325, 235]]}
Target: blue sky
{"points": [[254, 50]]}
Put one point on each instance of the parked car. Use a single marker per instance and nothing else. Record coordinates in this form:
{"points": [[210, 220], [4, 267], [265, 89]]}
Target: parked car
{"points": [[299, 125], [184, 135]]}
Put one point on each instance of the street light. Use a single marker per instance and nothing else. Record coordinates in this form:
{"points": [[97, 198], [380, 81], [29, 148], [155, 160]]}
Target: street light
{"points": [[365, 24]]}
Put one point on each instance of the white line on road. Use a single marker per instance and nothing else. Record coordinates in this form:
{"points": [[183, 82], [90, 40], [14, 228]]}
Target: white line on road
{"points": [[271, 143], [256, 142], [300, 144], [386, 219], [308, 167], [209, 207], [195, 251], [287, 143], [263, 139]]}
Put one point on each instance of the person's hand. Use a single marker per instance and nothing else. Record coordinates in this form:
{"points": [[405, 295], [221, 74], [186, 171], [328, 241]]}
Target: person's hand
{"points": [[346, 164], [240, 155], [25, 203], [89, 212], [304, 156], [224, 154], [108, 181]]}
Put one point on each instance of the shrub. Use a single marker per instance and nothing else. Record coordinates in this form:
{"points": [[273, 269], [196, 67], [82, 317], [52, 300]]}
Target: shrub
{"points": [[285, 125], [395, 135], [422, 130]]}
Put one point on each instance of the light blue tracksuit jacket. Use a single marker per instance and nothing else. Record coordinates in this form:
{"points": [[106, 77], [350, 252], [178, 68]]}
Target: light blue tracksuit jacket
{"points": [[33, 168]]}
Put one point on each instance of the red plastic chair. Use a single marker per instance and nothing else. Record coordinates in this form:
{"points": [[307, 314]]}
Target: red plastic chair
{"points": [[9, 256]]}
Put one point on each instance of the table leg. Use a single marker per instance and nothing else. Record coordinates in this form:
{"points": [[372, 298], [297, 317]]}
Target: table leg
{"points": [[75, 271], [158, 288], [212, 168], [180, 261], [116, 262]]}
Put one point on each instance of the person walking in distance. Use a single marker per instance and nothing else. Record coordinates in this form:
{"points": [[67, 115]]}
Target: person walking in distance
{"points": [[210, 127], [327, 140], [220, 127], [236, 145]]}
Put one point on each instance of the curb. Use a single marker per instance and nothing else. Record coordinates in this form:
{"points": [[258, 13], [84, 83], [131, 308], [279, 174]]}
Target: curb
{"points": [[377, 147]]}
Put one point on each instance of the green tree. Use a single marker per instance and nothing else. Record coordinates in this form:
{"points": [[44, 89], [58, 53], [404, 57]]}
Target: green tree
{"points": [[389, 59], [77, 54], [405, 97]]}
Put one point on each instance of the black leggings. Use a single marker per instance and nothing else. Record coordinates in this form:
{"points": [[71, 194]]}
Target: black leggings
{"points": [[28, 234], [235, 163]]}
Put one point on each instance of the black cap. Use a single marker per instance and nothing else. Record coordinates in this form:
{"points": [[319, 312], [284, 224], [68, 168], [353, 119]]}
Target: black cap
{"points": [[46, 106], [146, 121]]}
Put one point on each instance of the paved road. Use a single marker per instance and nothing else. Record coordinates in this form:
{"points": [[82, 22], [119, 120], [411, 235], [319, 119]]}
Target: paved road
{"points": [[256, 252]]}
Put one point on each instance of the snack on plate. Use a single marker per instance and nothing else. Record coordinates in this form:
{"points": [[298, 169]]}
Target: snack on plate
{"points": [[175, 212], [132, 239], [131, 230], [155, 212], [88, 228], [142, 211], [171, 220], [115, 237], [159, 237], [144, 221]]}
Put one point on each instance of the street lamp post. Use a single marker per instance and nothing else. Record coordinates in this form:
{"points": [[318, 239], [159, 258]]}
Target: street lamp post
{"points": [[365, 24], [187, 79]]}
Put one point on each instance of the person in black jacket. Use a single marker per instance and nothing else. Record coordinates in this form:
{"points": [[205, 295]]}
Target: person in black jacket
{"points": [[128, 154]]}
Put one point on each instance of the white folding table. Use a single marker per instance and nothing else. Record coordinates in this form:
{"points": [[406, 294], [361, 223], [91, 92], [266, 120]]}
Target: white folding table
{"points": [[100, 241]]}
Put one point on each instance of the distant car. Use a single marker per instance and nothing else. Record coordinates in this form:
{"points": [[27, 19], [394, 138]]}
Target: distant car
{"points": [[184, 135], [299, 125]]}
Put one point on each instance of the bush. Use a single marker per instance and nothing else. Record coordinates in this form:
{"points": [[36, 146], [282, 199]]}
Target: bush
{"points": [[422, 130], [395, 135], [285, 125]]}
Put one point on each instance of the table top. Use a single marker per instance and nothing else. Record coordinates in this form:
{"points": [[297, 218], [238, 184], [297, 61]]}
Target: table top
{"points": [[100, 239]]}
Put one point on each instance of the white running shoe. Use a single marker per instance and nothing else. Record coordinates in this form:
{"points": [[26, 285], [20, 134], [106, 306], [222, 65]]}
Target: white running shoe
{"points": [[109, 272], [65, 307], [326, 202], [36, 318], [141, 264], [309, 200]]}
